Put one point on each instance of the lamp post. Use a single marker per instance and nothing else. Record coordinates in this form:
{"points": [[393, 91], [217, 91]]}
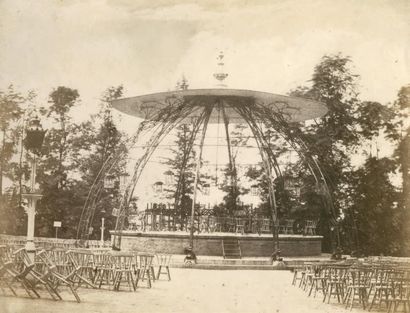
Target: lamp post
{"points": [[102, 227], [32, 142]]}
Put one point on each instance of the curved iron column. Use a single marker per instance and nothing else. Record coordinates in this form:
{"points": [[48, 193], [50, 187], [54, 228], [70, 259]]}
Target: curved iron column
{"points": [[208, 112]]}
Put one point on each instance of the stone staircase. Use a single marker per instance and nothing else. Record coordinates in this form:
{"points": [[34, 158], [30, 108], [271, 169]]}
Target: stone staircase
{"points": [[231, 248]]}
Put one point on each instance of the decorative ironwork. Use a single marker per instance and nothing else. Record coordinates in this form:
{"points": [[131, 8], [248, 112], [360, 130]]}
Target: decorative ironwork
{"points": [[34, 136]]}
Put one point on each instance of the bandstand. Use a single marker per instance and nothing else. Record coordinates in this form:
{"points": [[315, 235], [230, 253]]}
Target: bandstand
{"points": [[203, 231]]}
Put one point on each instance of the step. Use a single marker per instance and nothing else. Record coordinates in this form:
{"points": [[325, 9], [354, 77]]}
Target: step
{"points": [[234, 262], [226, 267]]}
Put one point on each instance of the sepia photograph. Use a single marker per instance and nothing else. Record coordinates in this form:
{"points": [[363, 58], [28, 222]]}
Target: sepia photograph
{"points": [[208, 156]]}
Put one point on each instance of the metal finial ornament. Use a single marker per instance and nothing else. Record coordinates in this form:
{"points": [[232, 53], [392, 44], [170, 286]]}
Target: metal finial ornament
{"points": [[220, 75], [182, 84]]}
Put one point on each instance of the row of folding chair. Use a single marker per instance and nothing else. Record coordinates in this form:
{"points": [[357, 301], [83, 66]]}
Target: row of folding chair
{"points": [[386, 286], [99, 267], [18, 269], [53, 269]]}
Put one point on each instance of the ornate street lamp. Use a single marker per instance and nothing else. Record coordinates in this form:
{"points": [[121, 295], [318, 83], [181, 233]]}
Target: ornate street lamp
{"points": [[169, 177], [254, 190], [123, 178], [109, 182], [292, 185], [32, 142], [34, 136], [158, 186], [229, 180], [207, 189]]}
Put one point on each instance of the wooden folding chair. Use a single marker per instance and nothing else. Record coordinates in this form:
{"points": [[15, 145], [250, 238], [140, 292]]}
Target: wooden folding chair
{"points": [[358, 285], [124, 267], [54, 276], [22, 266], [5, 266], [61, 260], [240, 225], [81, 269], [104, 270], [163, 261], [382, 288], [400, 293], [144, 269]]}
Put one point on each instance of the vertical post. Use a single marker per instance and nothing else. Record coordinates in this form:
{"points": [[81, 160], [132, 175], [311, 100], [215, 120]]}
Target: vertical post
{"points": [[232, 167], [31, 213], [198, 166], [102, 231], [32, 198], [56, 232]]}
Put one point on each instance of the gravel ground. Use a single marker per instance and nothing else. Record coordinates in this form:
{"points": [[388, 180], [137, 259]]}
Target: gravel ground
{"points": [[191, 290]]}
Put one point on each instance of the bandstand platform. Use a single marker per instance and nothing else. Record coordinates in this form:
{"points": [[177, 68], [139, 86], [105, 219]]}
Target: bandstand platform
{"points": [[212, 244]]}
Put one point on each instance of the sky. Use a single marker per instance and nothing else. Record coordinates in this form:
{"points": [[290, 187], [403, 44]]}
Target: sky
{"points": [[148, 45]]}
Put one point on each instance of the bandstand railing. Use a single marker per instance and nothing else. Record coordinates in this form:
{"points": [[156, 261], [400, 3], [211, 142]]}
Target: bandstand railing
{"points": [[167, 220]]}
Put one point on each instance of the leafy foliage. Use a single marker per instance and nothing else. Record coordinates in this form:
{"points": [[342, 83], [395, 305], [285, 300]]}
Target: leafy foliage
{"points": [[377, 215]]}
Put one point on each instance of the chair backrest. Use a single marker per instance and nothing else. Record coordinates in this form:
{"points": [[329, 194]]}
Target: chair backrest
{"points": [[80, 258], [23, 263], [240, 221], [164, 259], [145, 260], [123, 261], [58, 256], [45, 258]]}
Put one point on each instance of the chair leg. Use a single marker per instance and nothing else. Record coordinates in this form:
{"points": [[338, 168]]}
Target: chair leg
{"points": [[169, 274], [137, 276], [311, 287], [159, 272], [376, 293], [294, 278], [74, 292]]}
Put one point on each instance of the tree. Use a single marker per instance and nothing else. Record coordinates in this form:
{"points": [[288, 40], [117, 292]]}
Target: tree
{"points": [[12, 104], [399, 132], [344, 130], [55, 168], [182, 164], [231, 185], [10, 112], [100, 140], [375, 208], [333, 136]]}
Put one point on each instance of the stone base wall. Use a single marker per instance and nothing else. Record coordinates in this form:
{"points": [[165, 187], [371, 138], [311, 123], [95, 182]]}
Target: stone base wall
{"points": [[212, 245]]}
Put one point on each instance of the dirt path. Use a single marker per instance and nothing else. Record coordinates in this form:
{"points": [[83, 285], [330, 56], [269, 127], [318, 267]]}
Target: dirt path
{"points": [[189, 291]]}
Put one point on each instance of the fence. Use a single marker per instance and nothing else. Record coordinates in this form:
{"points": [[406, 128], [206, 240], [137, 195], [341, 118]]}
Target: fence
{"points": [[47, 243]]}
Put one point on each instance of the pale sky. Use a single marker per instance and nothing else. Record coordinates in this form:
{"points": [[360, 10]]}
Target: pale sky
{"points": [[148, 45]]}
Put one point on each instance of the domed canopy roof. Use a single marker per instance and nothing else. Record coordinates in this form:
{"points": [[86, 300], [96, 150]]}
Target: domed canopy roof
{"points": [[293, 109]]}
